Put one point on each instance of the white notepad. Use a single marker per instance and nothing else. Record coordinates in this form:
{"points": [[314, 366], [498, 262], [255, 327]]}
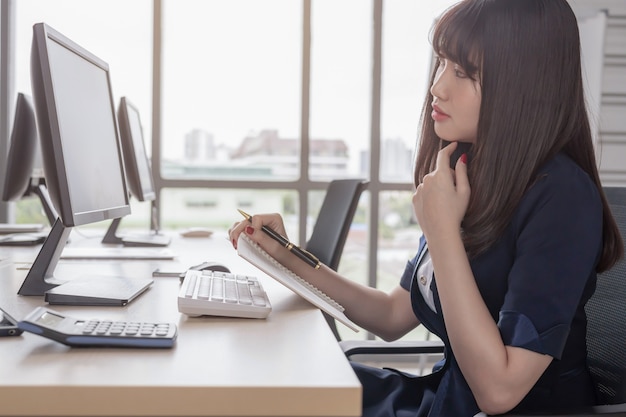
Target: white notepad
{"points": [[253, 253]]}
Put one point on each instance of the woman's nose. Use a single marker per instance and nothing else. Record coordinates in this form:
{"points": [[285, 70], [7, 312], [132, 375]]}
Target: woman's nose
{"points": [[437, 89]]}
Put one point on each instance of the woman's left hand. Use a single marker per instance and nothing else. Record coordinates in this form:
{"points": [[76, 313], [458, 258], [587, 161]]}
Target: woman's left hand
{"points": [[441, 200]]}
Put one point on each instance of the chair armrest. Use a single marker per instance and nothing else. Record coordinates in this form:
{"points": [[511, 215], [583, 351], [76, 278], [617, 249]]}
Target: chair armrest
{"points": [[374, 347], [377, 347], [603, 410]]}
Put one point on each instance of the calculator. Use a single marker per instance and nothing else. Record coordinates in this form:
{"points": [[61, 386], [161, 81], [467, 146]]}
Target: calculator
{"points": [[73, 331]]}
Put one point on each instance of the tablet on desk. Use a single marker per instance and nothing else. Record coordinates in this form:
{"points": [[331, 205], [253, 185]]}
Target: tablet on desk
{"points": [[21, 239], [125, 253], [8, 228]]}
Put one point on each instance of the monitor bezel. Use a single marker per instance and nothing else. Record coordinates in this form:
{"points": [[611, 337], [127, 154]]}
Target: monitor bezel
{"points": [[49, 132], [134, 178]]}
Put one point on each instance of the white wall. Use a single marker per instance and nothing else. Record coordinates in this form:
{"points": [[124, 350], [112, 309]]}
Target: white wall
{"points": [[604, 50]]}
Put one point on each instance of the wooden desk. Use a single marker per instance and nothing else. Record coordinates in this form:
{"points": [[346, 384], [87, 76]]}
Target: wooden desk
{"points": [[286, 365]]}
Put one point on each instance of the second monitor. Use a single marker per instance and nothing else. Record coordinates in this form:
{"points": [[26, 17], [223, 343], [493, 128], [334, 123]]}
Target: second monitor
{"points": [[138, 177], [24, 171]]}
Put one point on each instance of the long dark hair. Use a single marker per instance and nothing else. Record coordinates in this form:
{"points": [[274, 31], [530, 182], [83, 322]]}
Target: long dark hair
{"points": [[526, 54]]}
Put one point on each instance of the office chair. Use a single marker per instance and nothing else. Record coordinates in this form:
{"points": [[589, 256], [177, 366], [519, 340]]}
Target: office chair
{"points": [[606, 334], [333, 224]]}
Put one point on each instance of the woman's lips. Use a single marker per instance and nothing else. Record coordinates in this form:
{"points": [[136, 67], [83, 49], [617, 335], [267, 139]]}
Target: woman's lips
{"points": [[438, 115]]}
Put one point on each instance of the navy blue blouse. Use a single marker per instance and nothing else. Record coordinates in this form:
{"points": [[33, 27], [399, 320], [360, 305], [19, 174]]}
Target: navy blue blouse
{"points": [[535, 281]]}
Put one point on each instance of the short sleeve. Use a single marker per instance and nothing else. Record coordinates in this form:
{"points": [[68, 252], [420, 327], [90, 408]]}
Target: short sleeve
{"points": [[409, 269], [407, 275], [559, 239]]}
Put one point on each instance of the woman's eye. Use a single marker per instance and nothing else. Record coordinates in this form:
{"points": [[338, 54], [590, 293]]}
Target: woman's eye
{"points": [[460, 73]]}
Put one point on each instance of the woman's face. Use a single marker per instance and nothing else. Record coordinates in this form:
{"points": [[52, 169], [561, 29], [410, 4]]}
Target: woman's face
{"points": [[456, 103]]}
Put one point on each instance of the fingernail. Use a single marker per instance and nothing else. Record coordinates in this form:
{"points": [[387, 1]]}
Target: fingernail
{"points": [[464, 158], [234, 243], [249, 230]]}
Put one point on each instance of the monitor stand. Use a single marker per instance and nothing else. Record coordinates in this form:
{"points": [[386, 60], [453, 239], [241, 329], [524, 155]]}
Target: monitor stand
{"points": [[88, 290], [28, 234], [41, 191], [137, 240]]}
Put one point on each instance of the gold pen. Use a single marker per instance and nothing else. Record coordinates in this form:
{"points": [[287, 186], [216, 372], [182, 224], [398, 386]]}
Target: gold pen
{"points": [[300, 253]]}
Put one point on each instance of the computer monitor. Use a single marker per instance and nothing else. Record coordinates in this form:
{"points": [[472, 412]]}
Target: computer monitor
{"points": [[24, 167], [138, 177], [82, 160], [136, 161]]}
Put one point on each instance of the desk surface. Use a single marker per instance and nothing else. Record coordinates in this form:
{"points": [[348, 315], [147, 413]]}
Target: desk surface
{"points": [[286, 365]]}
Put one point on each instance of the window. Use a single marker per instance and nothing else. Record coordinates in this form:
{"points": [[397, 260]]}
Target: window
{"points": [[117, 31], [231, 89], [340, 95]]}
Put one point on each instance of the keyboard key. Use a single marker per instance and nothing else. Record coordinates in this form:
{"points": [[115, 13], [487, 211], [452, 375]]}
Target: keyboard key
{"points": [[191, 286], [230, 291], [217, 290], [204, 289], [243, 289]]}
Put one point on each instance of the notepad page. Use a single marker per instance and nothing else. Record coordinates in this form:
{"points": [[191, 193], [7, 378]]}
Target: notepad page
{"points": [[253, 253]]}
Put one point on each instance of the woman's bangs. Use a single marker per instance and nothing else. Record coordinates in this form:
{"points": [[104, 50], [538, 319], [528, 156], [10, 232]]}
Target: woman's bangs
{"points": [[456, 37]]}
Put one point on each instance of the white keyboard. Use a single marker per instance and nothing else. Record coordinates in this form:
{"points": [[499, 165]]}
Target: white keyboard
{"points": [[222, 294]]}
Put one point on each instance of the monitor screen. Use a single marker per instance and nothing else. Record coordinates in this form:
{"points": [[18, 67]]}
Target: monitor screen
{"points": [[75, 112], [136, 162], [23, 165]]}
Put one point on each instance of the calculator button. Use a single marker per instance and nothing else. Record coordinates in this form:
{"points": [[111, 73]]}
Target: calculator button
{"points": [[162, 330], [103, 327], [147, 330]]}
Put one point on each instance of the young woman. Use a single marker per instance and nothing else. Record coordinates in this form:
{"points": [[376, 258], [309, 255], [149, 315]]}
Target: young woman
{"points": [[512, 236]]}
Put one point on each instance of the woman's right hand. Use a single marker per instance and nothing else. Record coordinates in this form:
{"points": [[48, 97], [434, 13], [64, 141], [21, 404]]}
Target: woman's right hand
{"points": [[253, 226], [441, 200]]}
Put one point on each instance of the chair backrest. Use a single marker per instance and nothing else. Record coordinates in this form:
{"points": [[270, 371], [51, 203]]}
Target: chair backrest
{"points": [[334, 219], [606, 314], [333, 224]]}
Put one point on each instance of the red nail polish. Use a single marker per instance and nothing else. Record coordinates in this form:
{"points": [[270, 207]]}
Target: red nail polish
{"points": [[234, 243], [249, 230], [464, 158]]}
